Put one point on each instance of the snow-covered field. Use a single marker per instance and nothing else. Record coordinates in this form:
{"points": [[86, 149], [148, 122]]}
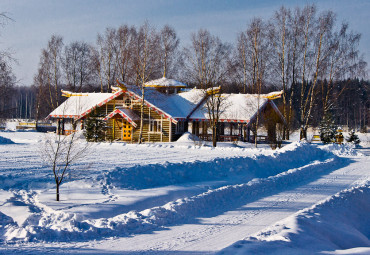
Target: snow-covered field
{"points": [[186, 199]]}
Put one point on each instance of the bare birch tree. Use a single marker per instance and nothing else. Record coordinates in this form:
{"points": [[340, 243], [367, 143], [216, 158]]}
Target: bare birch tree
{"points": [[343, 63], [54, 49], [7, 77], [309, 13], [126, 39], [258, 52], [169, 43], [206, 64], [49, 77], [7, 86], [279, 35], [146, 62], [76, 65], [241, 64], [60, 152], [323, 28], [107, 50]]}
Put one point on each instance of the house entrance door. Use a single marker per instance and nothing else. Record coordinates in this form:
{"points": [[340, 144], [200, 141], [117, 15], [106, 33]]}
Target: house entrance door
{"points": [[126, 130]]}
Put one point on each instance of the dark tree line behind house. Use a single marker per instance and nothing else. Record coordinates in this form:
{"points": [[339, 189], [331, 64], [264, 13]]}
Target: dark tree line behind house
{"points": [[305, 52], [351, 109]]}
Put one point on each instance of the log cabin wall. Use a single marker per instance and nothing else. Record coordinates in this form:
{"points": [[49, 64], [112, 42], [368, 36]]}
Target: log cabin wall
{"points": [[155, 129]]}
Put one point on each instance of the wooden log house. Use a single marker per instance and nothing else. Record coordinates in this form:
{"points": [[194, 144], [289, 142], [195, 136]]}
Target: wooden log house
{"points": [[167, 113]]}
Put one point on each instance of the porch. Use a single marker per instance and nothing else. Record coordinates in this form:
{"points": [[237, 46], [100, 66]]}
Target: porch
{"points": [[227, 132]]}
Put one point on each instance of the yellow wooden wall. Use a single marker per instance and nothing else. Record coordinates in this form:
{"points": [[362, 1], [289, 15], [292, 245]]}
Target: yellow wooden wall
{"points": [[114, 131], [149, 136]]}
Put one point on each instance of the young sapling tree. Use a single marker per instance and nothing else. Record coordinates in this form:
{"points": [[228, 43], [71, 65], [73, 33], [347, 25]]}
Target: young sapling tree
{"points": [[60, 152]]}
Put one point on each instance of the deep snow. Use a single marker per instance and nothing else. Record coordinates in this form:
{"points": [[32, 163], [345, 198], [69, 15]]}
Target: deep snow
{"points": [[339, 224], [120, 189]]}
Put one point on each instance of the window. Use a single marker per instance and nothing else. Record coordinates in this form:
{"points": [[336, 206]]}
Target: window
{"points": [[155, 126], [128, 102], [180, 127]]}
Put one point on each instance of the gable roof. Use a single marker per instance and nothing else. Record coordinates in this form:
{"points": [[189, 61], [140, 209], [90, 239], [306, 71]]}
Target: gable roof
{"points": [[126, 113], [174, 106], [81, 104], [235, 108]]}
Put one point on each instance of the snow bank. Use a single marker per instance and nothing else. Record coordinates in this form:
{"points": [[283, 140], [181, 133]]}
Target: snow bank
{"points": [[50, 225], [364, 138], [250, 166], [188, 137], [346, 149], [4, 140], [338, 224]]}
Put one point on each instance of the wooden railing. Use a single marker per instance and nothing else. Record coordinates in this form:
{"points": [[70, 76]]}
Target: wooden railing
{"points": [[221, 138], [232, 138]]}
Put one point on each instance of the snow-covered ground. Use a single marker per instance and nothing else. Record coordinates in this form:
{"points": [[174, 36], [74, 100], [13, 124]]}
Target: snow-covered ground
{"points": [[337, 225], [185, 198]]}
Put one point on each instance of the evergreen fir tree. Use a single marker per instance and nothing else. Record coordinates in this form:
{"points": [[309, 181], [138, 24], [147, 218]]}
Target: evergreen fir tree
{"points": [[95, 128], [353, 138], [327, 129]]}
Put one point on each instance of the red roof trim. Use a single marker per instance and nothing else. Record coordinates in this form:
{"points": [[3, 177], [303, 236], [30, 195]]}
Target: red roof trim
{"points": [[62, 116], [117, 111], [115, 95]]}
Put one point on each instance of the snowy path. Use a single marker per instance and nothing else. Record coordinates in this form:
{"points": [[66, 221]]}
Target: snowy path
{"points": [[210, 234]]}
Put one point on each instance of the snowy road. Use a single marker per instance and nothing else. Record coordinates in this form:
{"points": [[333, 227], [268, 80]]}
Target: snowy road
{"points": [[211, 234]]}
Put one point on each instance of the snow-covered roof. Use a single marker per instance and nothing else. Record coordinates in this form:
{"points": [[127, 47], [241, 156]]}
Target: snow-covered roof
{"points": [[234, 107], [190, 104], [79, 106], [177, 106], [165, 82]]}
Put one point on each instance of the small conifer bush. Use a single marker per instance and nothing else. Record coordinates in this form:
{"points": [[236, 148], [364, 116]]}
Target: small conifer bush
{"points": [[95, 128], [353, 138], [327, 129]]}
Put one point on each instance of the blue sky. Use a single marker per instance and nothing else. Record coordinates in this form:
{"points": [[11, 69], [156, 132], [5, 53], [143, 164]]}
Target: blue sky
{"points": [[36, 20]]}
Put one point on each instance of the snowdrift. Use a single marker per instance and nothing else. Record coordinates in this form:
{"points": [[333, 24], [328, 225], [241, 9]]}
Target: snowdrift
{"points": [[188, 138], [338, 223], [346, 149], [47, 224], [251, 166]]}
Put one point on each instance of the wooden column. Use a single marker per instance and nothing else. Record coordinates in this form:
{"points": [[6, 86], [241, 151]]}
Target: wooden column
{"points": [[63, 132], [244, 133], [114, 128], [186, 126], [222, 128], [170, 138], [161, 128], [58, 126]]}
